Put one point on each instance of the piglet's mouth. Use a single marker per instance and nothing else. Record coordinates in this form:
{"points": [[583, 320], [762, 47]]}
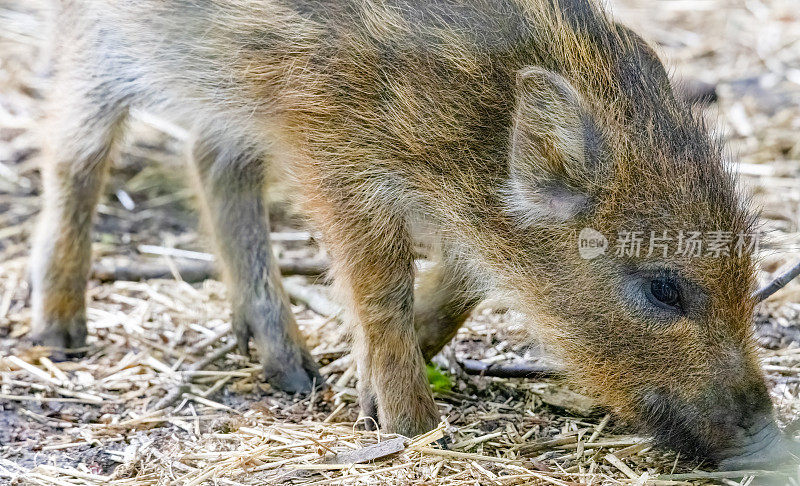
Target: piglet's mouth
{"points": [[757, 445]]}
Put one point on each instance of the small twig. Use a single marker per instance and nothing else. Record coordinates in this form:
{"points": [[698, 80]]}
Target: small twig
{"points": [[599, 428], [34, 371], [471, 442], [203, 344], [311, 298], [310, 268], [516, 370], [217, 354], [623, 468], [368, 453], [764, 292]]}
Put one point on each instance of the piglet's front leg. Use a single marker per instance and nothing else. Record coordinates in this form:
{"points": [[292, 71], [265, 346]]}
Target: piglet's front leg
{"points": [[373, 263]]}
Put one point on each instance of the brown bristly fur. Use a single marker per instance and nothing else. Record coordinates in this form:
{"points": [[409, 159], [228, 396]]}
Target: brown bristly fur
{"points": [[502, 127]]}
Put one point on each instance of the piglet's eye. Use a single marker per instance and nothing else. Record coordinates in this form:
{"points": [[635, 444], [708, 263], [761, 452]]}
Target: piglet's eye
{"points": [[664, 293]]}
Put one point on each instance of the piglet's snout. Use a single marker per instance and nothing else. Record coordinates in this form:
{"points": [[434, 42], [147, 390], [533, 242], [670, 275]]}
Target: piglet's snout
{"points": [[762, 446]]}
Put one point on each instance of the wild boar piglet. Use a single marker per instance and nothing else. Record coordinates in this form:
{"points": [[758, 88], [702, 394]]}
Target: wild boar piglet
{"points": [[511, 130]]}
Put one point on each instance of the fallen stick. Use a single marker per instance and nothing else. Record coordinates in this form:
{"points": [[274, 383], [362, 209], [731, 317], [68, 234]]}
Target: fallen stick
{"points": [[193, 270], [301, 293], [368, 453], [764, 292], [516, 370], [190, 271]]}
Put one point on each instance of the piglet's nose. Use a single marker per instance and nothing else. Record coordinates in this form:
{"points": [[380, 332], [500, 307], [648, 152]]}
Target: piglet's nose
{"points": [[763, 447]]}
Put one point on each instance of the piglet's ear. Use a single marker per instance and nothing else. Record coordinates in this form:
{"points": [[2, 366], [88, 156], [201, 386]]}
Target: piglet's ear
{"points": [[555, 150]]}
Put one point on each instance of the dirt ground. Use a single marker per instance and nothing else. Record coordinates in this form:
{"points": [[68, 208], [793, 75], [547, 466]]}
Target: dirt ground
{"points": [[161, 397]]}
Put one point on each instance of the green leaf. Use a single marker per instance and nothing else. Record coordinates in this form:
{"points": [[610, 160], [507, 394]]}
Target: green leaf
{"points": [[438, 380]]}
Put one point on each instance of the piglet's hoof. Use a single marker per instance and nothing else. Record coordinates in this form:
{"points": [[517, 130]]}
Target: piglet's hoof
{"points": [[288, 366], [66, 339], [293, 377]]}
